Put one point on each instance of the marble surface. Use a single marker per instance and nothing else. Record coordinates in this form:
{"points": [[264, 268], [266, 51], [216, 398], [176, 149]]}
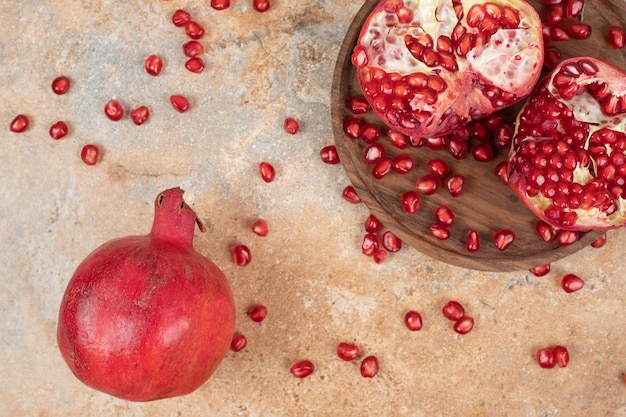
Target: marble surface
{"points": [[309, 272]]}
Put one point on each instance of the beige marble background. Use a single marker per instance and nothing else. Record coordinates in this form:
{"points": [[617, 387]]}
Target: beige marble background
{"points": [[308, 271]]}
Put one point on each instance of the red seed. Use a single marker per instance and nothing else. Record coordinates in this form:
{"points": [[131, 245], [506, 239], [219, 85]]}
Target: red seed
{"points": [[413, 320], [153, 65], [180, 103], [329, 155], [19, 124], [545, 358], [370, 133], [58, 130], [140, 115], [482, 152], [114, 110], [291, 126], [352, 127], [194, 30], [599, 242], [573, 8], [372, 224], [545, 231], [464, 325], [427, 184], [357, 104], [193, 48], [455, 185], [540, 271], [90, 154], [302, 369], [238, 343], [241, 255], [220, 4], [348, 351], [567, 237], [410, 202], [502, 239], [267, 171], [350, 195], [370, 244], [561, 356], [617, 37], [261, 5], [571, 283], [557, 34], [438, 168], [257, 313], [453, 310], [195, 65], [579, 30], [374, 153], [472, 244], [391, 242], [398, 139], [180, 18], [382, 168], [444, 216], [60, 85], [379, 256], [260, 228], [369, 367], [403, 164], [439, 231]]}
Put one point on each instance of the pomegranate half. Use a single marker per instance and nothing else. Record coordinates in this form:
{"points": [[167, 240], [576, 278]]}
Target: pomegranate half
{"points": [[568, 160], [428, 67], [147, 317]]}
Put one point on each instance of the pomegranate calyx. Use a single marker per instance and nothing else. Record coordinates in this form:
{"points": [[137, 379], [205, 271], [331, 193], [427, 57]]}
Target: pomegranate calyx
{"points": [[174, 220]]}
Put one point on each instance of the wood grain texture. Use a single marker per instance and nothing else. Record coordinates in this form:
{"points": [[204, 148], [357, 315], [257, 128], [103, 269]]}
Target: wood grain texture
{"points": [[486, 205]]}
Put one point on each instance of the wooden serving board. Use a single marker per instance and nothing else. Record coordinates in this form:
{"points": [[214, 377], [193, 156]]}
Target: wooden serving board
{"points": [[486, 204]]}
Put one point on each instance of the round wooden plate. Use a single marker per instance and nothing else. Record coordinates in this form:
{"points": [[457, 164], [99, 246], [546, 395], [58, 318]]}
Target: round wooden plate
{"points": [[486, 204]]}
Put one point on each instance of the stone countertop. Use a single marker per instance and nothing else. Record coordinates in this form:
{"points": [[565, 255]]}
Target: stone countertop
{"points": [[309, 272]]}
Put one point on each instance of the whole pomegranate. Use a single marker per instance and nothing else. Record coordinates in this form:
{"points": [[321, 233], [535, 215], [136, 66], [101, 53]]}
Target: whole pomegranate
{"points": [[428, 67], [568, 160], [148, 317]]}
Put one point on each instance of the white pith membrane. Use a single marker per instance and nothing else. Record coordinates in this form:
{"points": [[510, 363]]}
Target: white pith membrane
{"points": [[510, 61], [585, 108]]}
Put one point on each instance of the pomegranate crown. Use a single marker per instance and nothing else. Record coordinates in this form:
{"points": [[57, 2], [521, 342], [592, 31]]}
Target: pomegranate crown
{"points": [[174, 220]]}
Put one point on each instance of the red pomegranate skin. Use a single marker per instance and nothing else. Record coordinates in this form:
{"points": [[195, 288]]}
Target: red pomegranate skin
{"points": [[148, 317]]}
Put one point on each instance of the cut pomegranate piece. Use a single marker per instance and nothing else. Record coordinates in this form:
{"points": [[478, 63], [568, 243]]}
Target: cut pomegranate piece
{"points": [[463, 325], [194, 30], [140, 115], [241, 255], [617, 37], [291, 126], [350, 195], [257, 313], [453, 310], [329, 155], [193, 48], [60, 85], [466, 61], [473, 243], [238, 343], [195, 65], [413, 320], [180, 103], [114, 110], [261, 5], [348, 351], [260, 228], [58, 130], [90, 154], [391, 242], [561, 356], [267, 171], [181, 18], [153, 65], [571, 283], [410, 202], [545, 358], [502, 239], [19, 124], [540, 271], [369, 366], [302, 369], [220, 4]]}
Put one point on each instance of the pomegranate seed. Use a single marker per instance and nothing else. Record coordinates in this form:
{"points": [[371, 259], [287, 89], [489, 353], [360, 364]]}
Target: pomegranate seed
{"points": [[291, 126], [370, 244], [357, 104], [350, 195], [180, 103], [453, 310], [413, 320], [257, 313], [193, 48], [464, 325], [579, 30], [140, 115], [347, 351], [438, 168], [403, 164], [369, 366], [194, 30], [545, 231], [153, 65], [410, 202], [599, 242], [19, 124], [238, 343], [195, 65], [540, 271], [573, 8], [267, 171], [90, 154], [260, 228], [472, 244], [180, 18], [545, 358], [58, 130], [482, 152], [501, 171], [372, 224], [60, 85], [397, 139], [502, 239], [552, 56], [561, 356], [114, 110], [370, 133], [220, 4], [455, 185], [352, 127], [302, 369], [571, 283], [379, 256], [382, 168], [391, 242], [617, 37], [439, 231], [261, 5], [241, 255], [557, 34], [374, 153], [444, 216], [427, 184], [329, 155], [567, 237]]}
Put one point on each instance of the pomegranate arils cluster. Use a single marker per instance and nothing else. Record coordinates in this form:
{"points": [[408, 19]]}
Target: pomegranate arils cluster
{"points": [[550, 357], [454, 311]]}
